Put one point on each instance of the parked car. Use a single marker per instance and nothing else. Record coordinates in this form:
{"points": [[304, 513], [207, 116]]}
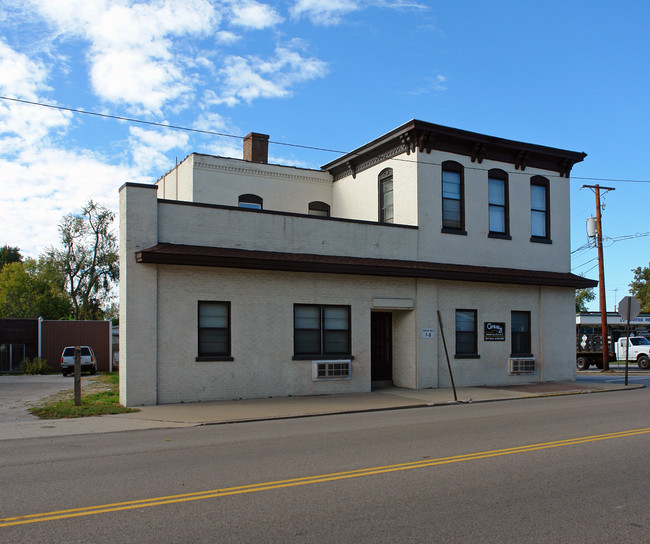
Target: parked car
{"points": [[88, 360]]}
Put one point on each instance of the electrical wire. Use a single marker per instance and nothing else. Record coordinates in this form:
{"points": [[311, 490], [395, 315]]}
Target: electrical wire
{"points": [[584, 264], [286, 144]]}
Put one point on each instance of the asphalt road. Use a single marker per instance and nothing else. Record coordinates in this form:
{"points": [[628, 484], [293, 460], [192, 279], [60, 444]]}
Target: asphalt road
{"points": [[563, 469]]}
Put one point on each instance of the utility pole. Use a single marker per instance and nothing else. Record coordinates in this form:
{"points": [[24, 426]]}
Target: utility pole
{"points": [[601, 272]]}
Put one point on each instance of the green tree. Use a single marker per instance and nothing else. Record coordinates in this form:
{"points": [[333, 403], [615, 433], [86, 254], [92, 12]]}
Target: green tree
{"points": [[33, 289], [640, 287], [88, 260], [582, 297], [9, 255]]}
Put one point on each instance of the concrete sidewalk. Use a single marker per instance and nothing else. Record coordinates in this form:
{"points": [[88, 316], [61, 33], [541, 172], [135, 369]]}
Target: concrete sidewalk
{"points": [[213, 413]]}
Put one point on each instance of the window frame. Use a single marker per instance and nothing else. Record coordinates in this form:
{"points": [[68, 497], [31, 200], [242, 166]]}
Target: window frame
{"points": [[474, 335], [208, 356], [539, 181], [250, 201], [322, 209], [456, 168], [496, 174], [322, 331], [385, 177], [519, 334]]}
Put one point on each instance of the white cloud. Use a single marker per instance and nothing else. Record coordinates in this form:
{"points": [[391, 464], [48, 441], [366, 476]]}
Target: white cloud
{"points": [[331, 12], [324, 12], [252, 14], [19, 75], [132, 53], [437, 84], [22, 125], [226, 37], [248, 78], [48, 183], [213, 122], [148, 148]]}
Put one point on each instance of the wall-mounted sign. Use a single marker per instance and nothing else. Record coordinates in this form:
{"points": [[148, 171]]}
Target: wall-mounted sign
{"points": [[427, 333], [494, 332]]}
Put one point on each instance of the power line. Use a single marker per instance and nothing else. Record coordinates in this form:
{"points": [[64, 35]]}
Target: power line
{"points": [[286, 144], [583, 264], [155, 124]]}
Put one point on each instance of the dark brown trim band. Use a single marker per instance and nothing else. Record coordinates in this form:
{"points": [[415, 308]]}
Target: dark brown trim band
{"points": [[186, 255]]}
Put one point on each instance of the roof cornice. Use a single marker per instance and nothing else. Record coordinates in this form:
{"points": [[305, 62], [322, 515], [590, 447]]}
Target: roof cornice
{"points": [[426, 137]]}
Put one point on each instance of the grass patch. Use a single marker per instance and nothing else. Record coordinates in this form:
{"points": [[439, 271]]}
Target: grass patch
{"points": [[96, 402]]}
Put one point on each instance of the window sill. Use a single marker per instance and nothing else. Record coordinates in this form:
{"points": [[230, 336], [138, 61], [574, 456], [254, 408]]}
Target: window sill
{"points": [[540, 240], [337, 357], [521, 355], [499, 236], [210, 358], [467, 356], [447, 230]]}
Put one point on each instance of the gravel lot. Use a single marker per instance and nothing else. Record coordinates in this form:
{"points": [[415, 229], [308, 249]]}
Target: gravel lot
{"points": [[17, 393]]}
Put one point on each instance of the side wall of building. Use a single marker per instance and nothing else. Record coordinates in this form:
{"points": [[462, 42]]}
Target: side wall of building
{"points": [[357, 197], [138, 296]]}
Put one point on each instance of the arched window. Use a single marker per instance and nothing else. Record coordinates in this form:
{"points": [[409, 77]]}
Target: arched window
{"points": [[453, 198], [253, 202], [386, 212], [540, 213], [319, 208], [498, 203]]}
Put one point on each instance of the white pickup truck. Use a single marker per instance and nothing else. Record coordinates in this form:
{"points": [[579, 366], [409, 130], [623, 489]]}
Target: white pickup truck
{"points": [[639, 350]]}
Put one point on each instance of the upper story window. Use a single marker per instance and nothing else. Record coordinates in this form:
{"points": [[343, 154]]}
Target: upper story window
{"points": [[453, 195], [253, 202], [319, 208], [386, 214], [498, 204], [540, 215]]}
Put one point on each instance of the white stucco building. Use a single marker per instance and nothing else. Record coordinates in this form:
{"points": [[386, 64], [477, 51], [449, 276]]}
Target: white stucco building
{"points": [[241, 279]]}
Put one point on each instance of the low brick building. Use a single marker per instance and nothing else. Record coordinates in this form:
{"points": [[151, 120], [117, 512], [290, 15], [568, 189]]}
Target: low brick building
{"points": [[243, 279]]}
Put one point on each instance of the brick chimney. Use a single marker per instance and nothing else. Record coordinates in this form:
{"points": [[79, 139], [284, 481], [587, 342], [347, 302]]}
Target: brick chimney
{"points": [[256, 147]]}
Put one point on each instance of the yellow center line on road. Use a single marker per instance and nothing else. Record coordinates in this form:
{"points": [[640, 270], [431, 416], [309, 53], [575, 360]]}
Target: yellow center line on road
{"points": [[265, 486]]}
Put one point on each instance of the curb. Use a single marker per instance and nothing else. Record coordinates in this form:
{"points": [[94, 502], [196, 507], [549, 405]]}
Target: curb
{"points": [[419, 405]]}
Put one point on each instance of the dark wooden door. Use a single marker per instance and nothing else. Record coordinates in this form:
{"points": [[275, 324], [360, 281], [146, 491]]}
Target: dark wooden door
{"points": [[381, 346]]}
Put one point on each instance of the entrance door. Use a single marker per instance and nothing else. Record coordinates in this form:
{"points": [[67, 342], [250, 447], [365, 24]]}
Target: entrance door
{"points": [[381, 347]]}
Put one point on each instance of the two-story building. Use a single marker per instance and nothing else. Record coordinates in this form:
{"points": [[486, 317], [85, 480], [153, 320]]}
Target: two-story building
{"points": [[242, 279]]}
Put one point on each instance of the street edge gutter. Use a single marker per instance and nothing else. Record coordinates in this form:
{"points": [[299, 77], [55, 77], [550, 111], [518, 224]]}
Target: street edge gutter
{"points": [[419, 405]]}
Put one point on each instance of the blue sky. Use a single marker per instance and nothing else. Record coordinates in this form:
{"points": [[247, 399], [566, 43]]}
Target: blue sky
{"points": [[324, 73]]}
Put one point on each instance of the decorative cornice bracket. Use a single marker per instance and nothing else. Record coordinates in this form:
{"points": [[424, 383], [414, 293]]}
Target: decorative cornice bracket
{"points": [[352, 168], [520, 160], [478, 152]]}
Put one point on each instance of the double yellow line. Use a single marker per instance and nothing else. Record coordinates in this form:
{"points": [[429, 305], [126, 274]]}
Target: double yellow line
{"points": [[265, 486]]}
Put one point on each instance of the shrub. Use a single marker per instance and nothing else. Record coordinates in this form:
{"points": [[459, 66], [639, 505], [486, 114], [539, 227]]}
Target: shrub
{"points": [[37, 366]]}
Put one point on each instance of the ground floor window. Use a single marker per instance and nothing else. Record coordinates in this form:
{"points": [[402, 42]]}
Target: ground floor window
{"points": [[520, 333], [214, 329], [321, 331], [466, 335]]}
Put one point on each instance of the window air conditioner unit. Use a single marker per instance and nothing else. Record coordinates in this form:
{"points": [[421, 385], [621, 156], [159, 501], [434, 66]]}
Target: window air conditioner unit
{"points": [[522, 366], [331, 370]]}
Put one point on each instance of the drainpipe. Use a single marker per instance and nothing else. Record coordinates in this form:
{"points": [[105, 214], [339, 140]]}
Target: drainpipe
{"points": [[40, 338], [110, 345]]}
